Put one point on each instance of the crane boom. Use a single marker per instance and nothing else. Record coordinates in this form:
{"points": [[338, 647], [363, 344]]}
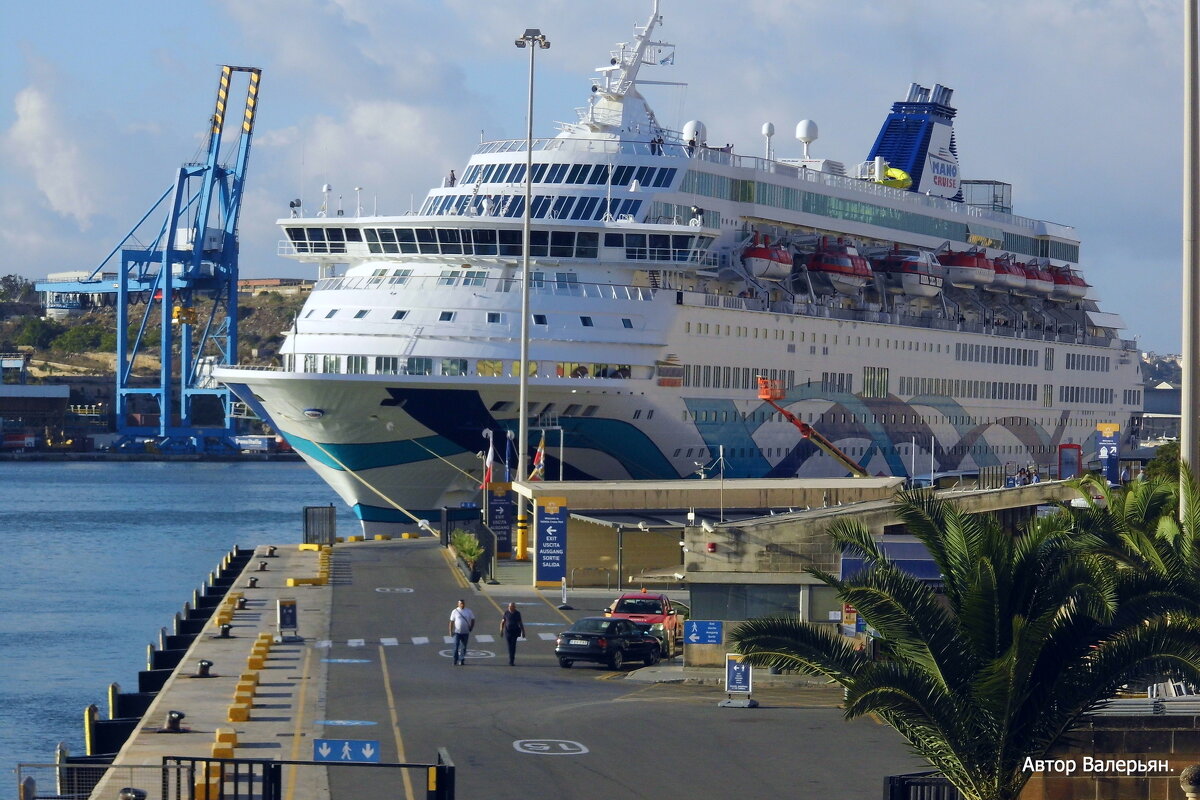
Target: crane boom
{"points": [[771, 391]]}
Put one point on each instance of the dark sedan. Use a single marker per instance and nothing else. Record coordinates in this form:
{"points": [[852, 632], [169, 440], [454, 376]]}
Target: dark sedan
{"points": [[603, 640]]}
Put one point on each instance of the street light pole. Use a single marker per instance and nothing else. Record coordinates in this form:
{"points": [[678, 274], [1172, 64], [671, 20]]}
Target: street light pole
{"points": [[533, 40]]}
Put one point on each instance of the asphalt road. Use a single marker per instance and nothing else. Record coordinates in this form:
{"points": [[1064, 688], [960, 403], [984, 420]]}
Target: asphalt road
{"points": [[537, 730]]}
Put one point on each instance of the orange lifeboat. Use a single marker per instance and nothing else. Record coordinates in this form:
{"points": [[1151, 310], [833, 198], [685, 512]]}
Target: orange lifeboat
{"points": [[765, 260], [968, 268]]}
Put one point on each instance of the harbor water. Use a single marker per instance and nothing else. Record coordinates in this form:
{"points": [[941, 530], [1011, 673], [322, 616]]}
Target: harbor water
{"points": [[98, 557]]}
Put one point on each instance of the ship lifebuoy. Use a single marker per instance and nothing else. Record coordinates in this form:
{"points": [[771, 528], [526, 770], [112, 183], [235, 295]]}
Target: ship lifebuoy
{"points": [[695, 222]]}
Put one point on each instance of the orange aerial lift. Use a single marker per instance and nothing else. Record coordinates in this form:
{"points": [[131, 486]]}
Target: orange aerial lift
{"points": [[771, 391]]}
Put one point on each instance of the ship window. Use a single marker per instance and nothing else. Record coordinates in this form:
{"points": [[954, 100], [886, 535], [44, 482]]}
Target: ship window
{"points": [[454, 366], [626, 323], [399, 314], [539, 243], [614, 240], [356, 365], [417, 365], [331, 364], [510, 243], [664, 177], [450, 240], [353, 235], [387, 238], [330, 313], [311, 311], [541, 202], [449, 277], [644, 175], [485, 241], [489, 368], [537, 280], [501, 172], [501, 405], [562, 207], [590, 410], [446, 316], [577, 173], [426, 243], [586, 244], [493, 317], [400, 276], [362, 312], [475, 277], [488, 171], [621, 175], [539, 319], [295, 234], [387, 365], [571, 410], [407, 240], [599, 174], [517, 175], [562, 244], [334, 235], [310, 362], [538, 171], [585, 207], [587, 322], [556, 172]]}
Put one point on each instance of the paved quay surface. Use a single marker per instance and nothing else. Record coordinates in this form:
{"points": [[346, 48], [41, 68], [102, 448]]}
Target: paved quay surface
{"points": [[373, 669]]}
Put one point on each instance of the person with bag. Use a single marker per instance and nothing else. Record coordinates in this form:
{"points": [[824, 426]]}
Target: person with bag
{"points": [[512, 627]]}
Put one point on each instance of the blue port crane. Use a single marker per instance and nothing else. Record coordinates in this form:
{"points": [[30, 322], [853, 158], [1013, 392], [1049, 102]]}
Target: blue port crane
{"points": [[192, 256]]}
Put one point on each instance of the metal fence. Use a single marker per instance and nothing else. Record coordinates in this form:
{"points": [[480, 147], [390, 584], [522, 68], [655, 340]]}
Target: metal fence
{"points": [[919, 786], [78, 781]]}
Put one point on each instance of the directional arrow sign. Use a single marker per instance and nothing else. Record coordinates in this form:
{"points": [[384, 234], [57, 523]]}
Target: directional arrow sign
{"points": [[346, 750], [704, 631]]}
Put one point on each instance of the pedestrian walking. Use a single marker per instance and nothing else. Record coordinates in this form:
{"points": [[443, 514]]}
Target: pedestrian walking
{"points": [[512, 627], [462, 622]]}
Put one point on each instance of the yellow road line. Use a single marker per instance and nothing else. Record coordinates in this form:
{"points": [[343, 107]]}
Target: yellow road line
{"points": [[391, 701], [554, 607], [299, 723], [458, 576]]}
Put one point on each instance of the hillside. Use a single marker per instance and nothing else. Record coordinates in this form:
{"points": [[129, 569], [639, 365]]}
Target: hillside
{"points": [[86, 344]]}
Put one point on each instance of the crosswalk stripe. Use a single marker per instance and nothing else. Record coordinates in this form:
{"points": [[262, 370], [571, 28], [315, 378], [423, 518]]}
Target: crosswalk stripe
{"points": [[389, 641], [547, 637], [485, 637], [420, 640], [448, 639], [324, 643], [356, 642]]}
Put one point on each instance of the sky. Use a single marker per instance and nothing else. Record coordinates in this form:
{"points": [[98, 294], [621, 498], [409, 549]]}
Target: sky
{"points": [[1076, 103]]}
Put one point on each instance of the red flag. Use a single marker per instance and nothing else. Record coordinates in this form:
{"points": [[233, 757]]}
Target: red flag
{"points": [[539, 462], [490, 470]]}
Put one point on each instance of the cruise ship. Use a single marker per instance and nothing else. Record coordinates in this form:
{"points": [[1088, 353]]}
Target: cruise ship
{"points": [[906, 313]]}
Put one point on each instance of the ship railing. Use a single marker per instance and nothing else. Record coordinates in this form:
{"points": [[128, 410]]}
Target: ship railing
{"points": [[600, 291], [724, 156]]}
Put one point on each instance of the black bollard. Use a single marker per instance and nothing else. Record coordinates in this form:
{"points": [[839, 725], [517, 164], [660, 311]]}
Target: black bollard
{"points": [[203, 668]]}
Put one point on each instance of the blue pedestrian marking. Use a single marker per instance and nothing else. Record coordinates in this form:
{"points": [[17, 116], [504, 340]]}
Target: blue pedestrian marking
{"points": [[346, 750]]}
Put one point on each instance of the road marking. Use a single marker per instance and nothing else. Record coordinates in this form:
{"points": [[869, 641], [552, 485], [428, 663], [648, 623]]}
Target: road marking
{"points": [[389, 641], [420, 640], [346, 660], [324, 643], [395, 590], [549, 747], [297, 726], [356, 642], [555, 608], [391, 701], [547, 637], [485, 637], [447, 640], [345, 722], [470, 654]]}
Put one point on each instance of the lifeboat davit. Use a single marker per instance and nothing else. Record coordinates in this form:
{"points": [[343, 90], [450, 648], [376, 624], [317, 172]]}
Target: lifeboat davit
{"points": [[1010, 275], [1068, 284], [909, 271], [968, 268], [839, 262], [1037, 280], [766, 260]]}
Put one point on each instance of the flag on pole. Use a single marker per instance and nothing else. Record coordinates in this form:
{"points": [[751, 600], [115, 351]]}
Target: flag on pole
{"points": [[490, 470], [539, 462]]}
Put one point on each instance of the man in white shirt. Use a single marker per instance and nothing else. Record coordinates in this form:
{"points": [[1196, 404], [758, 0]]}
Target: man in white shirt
{"points": [[462, 622]]}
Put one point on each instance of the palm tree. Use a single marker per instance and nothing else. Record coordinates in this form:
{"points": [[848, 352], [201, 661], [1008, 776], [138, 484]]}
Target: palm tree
{"points": [[1029, 632], [1140, 526]]}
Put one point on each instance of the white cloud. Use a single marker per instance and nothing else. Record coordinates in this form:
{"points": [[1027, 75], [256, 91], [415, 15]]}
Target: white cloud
{"points": [[39, 142]]}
